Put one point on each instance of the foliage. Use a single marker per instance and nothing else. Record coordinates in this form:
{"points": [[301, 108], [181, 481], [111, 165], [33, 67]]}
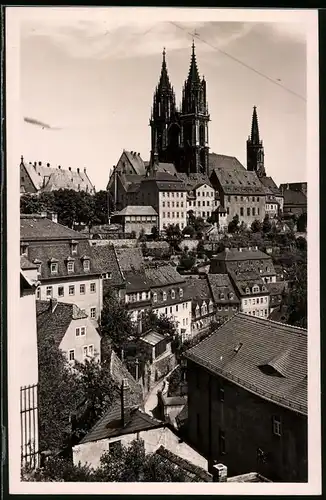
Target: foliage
{"points": [[72, 207], [302, 223], [233, 226], [187, 261], [189, 230], [162, 324], [116, 324], [256, 226], [155, 233], [144, 249], [174, 235], [142, 236], [121, 464], [267, 225], [200, 249]]}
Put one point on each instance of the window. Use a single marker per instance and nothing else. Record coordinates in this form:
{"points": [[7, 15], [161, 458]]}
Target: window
{"points": [[163, 204], [71, 289], [164, 295], [257, 198], [61, 291], [221, 394], [54, 267], [74, 248], [172, 294], [171, 310], [82, 289], [116, 445], [80, 331], [38, 293], [93, 312], [241, 211], [86, 265], [253, 198], [222, 442], [229, 199], [198, 203], [70, 266], [277, 426], [253, 211], [228, 210], [85, 351], [257, 211], [245, 302], [93, 287], [176, 308], [72, 355], [253, 302], [248, 211], [154, 297], [49, 292]]}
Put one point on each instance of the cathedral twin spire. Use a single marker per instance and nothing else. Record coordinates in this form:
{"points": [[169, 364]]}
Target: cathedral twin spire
{"points": [[255, 149]]}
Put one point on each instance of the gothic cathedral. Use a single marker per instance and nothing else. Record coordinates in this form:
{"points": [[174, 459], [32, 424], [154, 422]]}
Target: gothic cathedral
{"points": [[180, 136]]}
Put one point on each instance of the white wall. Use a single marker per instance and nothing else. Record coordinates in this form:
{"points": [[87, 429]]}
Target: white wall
{"points": [[70, 341], [83, 301], [180, 313], [250, 305], [91, 452], [168, 209]]}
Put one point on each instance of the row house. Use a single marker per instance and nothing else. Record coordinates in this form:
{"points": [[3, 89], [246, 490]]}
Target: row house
{"points": [[224, 295], [37, 177], [72, 330], [65, 267], [239, 260], [253, 294], [202, 199], [248, 406], [137, 219]]}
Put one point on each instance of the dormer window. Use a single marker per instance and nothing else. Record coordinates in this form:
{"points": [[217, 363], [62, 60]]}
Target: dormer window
{"points": [[247, 290], [73, 246], [255, 289], [86, 264], [154, 297], [164, 295], [70, 265], [172, 294], [181, 292], [231, 296], [264, 289], [222, 296], [23, 248], [54, 267]]}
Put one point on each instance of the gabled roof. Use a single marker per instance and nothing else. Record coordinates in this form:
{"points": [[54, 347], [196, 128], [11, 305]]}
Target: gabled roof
{"points": [[138, 210], [193, 473], [238, 180], [168, 168], [55, 323], [221, 286], [110, 425], [136, 281], [129, 259], [292, 197], [105, 259], [163, 275], [37, 227], [199, 291], [135, 161], [269, 183], [224, 162], [258, 340], [47, 178], [152, 338]]}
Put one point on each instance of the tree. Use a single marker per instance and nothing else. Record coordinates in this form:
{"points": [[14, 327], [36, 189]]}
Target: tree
{"points": [[187, 261], [200, 250], [162, 324], [189, 230], [297, 298], [302, 223], [233, 226], [122, 464], [142, 236], [256, 226], [173, 235], [155, 233], [267, 225], [116, 324], [301, 243]]}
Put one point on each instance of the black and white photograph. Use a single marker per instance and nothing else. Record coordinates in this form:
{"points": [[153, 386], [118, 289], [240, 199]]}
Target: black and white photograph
{"points": [[162, 169]]}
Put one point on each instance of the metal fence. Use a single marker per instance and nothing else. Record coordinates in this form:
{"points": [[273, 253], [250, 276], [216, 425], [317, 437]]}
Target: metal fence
{"points": [[29, 425]]}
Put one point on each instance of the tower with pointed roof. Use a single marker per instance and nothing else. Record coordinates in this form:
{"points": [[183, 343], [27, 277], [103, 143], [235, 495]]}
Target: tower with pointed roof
{"points": [[165, 130], [194, 118], [255, 149]]}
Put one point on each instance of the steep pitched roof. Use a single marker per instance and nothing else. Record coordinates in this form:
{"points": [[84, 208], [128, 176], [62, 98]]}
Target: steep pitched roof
{"points": [[110, 425], [168, 168], [193, 473], [269, 183], [292, 197], [240, 347], [234, 254], [105, 259], [55, 323], [163, 275], [136, 281], [47, 178], [37, 227], [235, 179], [26, 264], [222, 289], [129, 259], [135, 161], [199, 290], [223, 162]]}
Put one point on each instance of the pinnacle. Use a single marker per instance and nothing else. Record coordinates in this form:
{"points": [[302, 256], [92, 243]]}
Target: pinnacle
{"points": [[254, 127]]}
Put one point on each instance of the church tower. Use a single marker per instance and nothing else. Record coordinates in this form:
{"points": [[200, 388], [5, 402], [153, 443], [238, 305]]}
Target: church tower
{"points": [[255, 149], [165, 131], [194, 120]]}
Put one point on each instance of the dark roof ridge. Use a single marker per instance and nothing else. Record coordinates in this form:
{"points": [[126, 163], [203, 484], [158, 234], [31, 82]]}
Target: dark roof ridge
{"points": [[284, 325]]}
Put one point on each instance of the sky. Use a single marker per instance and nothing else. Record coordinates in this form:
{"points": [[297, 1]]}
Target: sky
{"points": [[92, 78]]}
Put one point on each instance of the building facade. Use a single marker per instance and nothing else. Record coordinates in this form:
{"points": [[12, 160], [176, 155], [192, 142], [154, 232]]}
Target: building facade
{"points": [[137, 219], [65, 266], [247, 398]]}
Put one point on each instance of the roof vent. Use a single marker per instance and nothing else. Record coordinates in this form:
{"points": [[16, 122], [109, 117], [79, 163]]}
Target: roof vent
{"points": [[238, 347]]}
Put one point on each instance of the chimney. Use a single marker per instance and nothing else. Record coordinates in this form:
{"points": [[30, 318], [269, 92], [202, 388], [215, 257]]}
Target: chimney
{"points": [[53, 304], [125, 398], [54, 217], [69, 168], [48, 164], [132, 152], [59, 167], [40, 163], [220, 473], [84, 170], [77, 170]]}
